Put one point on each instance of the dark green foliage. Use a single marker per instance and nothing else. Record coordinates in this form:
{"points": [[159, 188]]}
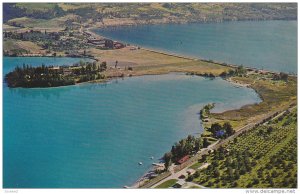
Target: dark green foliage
{"points": [[168, 159], [205, 143], [219, 131], [190, 178], [42, 76], [186, 146], [281, 76], [215, 127], [197, 174], [183, 147], [239, 71], [228, 129], [103, 66], [198, 144]]}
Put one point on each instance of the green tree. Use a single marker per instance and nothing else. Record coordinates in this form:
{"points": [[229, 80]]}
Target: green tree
{"points": [[190, 178], [205, 143], [167, 158], [198, 144], [197, 174], [94, 66], [103, 66], [216, 173], [215, 127], [228, 128], [236, 174]]}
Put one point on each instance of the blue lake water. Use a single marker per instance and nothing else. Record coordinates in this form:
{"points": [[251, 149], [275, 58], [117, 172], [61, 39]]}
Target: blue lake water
{"points": [[270, 45], [94, 135]]}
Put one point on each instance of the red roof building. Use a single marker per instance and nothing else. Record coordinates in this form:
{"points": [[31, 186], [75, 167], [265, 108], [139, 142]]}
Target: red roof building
{"points": [[183, 159]]}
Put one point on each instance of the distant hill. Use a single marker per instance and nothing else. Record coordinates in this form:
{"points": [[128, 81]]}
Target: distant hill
{"points": [[169, 12], [31, 10]]}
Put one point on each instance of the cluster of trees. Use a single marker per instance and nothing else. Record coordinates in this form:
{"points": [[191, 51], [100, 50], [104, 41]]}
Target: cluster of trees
{"points": [[227, 166], [28, 76], [191, 144], [282, 165], [33, 35], [43, 76], [219, 131], [187, 146], [239, 71], [281, 76], [205, 111], [209, 75]]}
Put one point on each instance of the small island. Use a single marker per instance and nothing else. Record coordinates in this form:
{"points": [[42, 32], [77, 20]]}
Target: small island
{"points": [[54, 76]]}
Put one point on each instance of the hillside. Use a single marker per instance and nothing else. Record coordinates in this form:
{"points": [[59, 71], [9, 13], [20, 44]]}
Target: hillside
{"points": [[136, 13]]}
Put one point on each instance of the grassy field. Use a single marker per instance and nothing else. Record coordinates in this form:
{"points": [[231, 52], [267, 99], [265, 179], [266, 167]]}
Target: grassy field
{"points": [[54, 24], [22, 46], [135, 58], [198, 67], [148, 62], [264, 157], [275, 95], [167, 184], [72, 6], [36, 6], [196, 165], [8, 27]]}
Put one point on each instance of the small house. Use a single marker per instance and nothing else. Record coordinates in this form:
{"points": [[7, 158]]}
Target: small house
{"points": [[183, 159]]}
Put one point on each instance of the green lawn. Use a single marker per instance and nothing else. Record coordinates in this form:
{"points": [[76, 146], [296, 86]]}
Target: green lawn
{"points": [[196, 166], [167, 184], [36, 6], [194, 187]]}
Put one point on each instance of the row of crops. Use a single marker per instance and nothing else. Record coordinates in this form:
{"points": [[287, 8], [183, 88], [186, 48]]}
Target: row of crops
{"points": [[264, 157]]}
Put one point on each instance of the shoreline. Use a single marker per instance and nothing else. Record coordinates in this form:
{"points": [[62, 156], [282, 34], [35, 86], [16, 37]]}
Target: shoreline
{"points": [[144, 177], [178, 21], [238, 83], [268, 85], [136, 184], [183, 56], [92, 58]]}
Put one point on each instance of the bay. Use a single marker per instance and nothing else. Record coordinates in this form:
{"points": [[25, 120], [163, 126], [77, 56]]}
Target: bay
{"points": [[94, 135]]}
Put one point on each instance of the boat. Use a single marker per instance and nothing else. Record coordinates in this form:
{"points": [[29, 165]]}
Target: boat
{"points": [[140, 163], [151, 157]]}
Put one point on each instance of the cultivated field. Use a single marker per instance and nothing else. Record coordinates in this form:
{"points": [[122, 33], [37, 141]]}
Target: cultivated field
{"points": [[264, 157]]}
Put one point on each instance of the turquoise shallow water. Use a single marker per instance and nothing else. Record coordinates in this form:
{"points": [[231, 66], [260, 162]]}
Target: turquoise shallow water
{"points": [[94, 135], [268, 45]]}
